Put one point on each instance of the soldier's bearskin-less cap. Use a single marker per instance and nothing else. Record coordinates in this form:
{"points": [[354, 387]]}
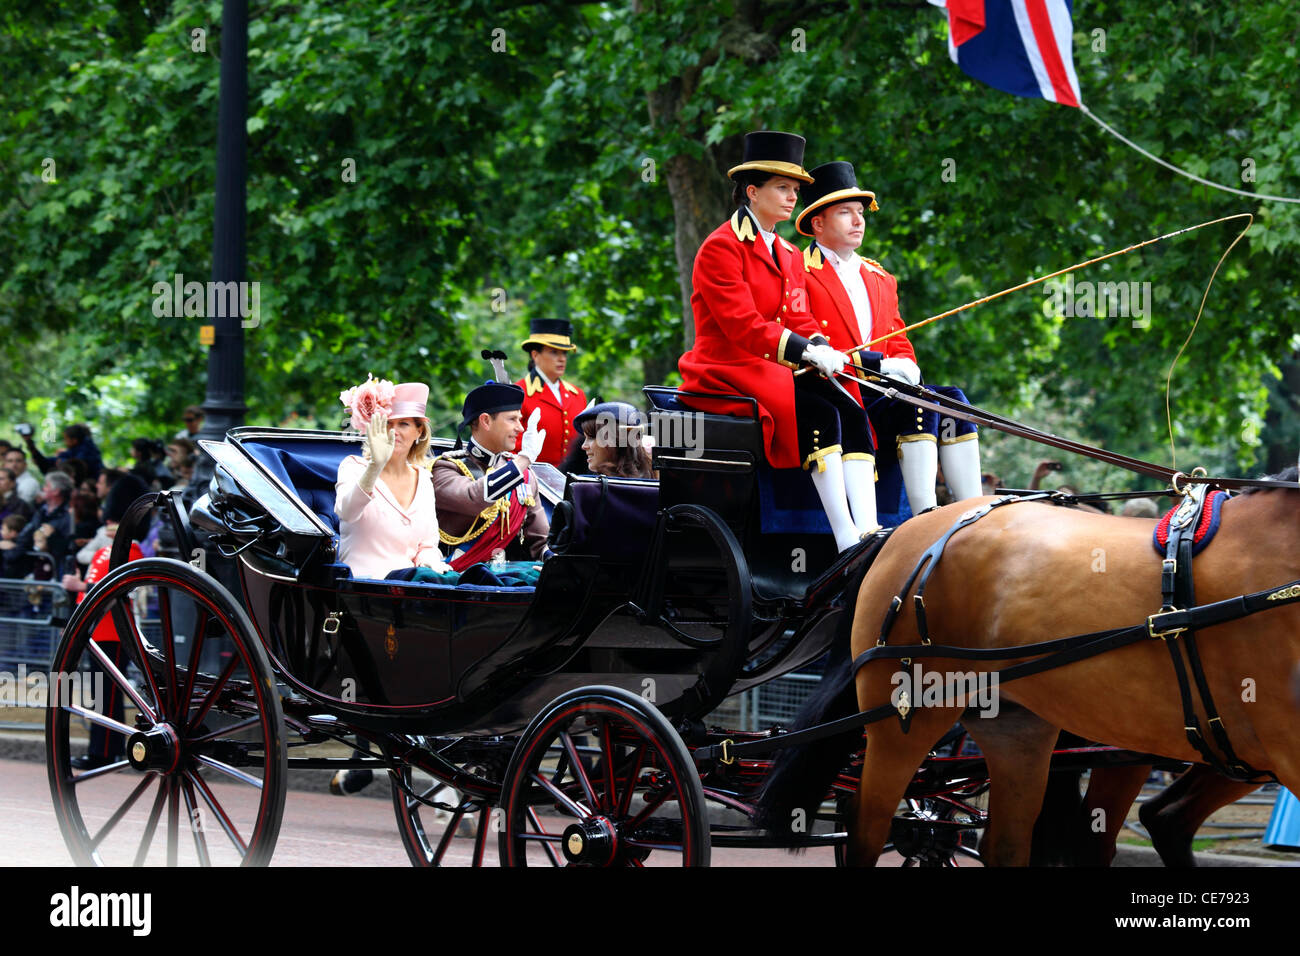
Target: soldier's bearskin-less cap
{"points": [[780, 154], [553, 332], [832, 183], [490, 398]]}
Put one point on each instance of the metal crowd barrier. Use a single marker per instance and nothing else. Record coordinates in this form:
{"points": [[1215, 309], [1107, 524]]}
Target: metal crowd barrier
{"points": [[32, 615]]}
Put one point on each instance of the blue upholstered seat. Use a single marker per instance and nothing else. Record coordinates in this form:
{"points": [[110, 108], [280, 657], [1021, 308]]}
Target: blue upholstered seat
{"points": [[308, 468]]}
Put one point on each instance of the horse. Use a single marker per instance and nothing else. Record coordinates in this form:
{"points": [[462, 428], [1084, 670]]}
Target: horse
{"points": [[1033, 571]]}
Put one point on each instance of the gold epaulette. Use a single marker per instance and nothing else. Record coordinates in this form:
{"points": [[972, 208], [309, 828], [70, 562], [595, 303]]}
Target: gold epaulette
{"points": [[812, 257], [571, 388], [743, 226], [533, 385], [874, 266]]}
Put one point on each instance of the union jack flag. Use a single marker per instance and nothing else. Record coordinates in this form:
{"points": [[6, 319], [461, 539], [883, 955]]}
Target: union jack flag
{"points": [[1017, 46]]}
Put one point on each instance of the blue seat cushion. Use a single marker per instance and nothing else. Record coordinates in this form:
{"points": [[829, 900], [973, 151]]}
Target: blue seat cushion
{"points": [[788, 502], [307, 468]]}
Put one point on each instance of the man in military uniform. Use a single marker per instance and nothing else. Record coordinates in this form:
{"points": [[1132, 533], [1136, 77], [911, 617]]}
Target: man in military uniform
{"points": [[853, 301], [548, 346], [486, 498]]}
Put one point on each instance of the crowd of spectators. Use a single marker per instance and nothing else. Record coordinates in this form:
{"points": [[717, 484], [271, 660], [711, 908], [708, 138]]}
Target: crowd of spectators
{"points": [[55, 509]]}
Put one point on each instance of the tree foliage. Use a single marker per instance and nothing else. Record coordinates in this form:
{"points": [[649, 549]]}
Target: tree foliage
{"points": [[567, 160]]}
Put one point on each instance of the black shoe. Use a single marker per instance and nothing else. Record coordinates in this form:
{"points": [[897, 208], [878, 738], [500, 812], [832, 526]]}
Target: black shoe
{"points": [[88, 762], [344, 783]]}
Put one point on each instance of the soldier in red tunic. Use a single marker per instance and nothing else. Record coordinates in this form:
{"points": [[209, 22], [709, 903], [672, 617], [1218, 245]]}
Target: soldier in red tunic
{"points": [[753, 328], [854, 300], [548, 346]]}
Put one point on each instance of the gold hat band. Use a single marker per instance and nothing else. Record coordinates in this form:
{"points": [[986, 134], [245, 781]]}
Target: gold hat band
{"points": [[840, 195], [772, 166]]}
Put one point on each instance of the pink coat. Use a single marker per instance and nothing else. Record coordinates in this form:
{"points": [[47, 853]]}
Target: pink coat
{"points": [[376, 534]]}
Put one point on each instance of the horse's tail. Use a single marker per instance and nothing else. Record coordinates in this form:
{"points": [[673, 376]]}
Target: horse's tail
{"points": [[801, 776]]}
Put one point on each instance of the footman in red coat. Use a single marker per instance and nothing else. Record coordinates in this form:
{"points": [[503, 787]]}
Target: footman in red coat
{"points": [[854, 301], [753, 328]]}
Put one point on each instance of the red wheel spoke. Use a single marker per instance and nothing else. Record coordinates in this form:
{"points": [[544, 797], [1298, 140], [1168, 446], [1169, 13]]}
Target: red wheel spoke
{"points": [[225, 731], [213, 693], [120, 679], [650, 807], [173, 815], [147, 839], [625, 801], [196, 823], [607, 755], [137, 640], [120, 813], [229, 770], [541, 834], [172, 710], [211, 800], [577, 809], [196, 649], [447, 835], [480, 838], [653, 845], [636, 862], [97, 718], [580, 771], [101, 771]]}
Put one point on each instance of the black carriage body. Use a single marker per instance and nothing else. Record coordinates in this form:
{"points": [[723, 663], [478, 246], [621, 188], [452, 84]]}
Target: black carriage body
{"points": [[470, 659]]}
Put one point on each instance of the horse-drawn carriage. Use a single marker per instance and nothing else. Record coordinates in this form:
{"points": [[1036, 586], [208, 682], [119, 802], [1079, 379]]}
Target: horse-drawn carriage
{"points": [[564, 716]]}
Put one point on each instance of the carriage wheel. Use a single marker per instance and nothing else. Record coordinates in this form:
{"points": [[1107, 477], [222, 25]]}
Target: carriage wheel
{"points": [[438, 826], [201, 734], [600, 778]]}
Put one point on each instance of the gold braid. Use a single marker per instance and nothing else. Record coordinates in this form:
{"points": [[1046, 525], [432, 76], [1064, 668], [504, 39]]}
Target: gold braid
{"points": [[500, 507]]}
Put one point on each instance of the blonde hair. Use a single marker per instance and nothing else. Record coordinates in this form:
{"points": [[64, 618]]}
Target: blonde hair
{"points": [[420, 447]]}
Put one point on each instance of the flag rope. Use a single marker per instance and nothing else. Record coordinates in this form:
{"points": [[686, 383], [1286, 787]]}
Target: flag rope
{"points": [[1182, 172]]}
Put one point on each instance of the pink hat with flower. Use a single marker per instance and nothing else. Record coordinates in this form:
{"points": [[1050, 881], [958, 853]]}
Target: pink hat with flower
{"points": [[409, 400], [406, 400]]}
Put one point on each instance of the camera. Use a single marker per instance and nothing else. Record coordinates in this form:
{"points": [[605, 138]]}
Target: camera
{"points": [[25, 430]]}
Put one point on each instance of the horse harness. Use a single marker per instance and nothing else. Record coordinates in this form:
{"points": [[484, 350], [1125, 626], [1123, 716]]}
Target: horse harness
{"points": [[1178, 617]]}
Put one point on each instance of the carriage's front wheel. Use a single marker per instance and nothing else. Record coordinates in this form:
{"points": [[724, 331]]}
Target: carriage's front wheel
{"points": [[188, 735], [600, 778]]}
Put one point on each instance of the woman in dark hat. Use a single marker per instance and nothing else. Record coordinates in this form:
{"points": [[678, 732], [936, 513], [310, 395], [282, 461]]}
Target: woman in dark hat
{"points": [[613, 440], [548, 346], [753, 329]]}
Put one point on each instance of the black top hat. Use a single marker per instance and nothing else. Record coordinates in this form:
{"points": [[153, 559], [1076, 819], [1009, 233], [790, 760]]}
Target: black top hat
{"points": [[552, 332], [490, 398], [833, 182], [778, 153]]}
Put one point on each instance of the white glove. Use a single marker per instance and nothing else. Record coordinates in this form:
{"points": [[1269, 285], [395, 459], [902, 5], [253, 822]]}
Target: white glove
{"points": [[430, 558], [825, 359], [380, 443], [531, 444], [903, 369]]}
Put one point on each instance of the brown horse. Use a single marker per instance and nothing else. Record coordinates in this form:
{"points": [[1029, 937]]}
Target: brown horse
{"points": [[1031, 572]]}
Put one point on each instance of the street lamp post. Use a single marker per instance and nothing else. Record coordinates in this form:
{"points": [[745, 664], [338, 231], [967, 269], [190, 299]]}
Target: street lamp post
{"points": [[224, 407]]}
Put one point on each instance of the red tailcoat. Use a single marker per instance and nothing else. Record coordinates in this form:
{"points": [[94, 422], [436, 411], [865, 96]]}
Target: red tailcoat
{"points": [[556, 418], [833, 313], [751, 326]]}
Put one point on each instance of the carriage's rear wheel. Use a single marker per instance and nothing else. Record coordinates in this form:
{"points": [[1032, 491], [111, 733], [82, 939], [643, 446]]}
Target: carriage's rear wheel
{"points": [[600, 778], [437, 824], [194, 755]]}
